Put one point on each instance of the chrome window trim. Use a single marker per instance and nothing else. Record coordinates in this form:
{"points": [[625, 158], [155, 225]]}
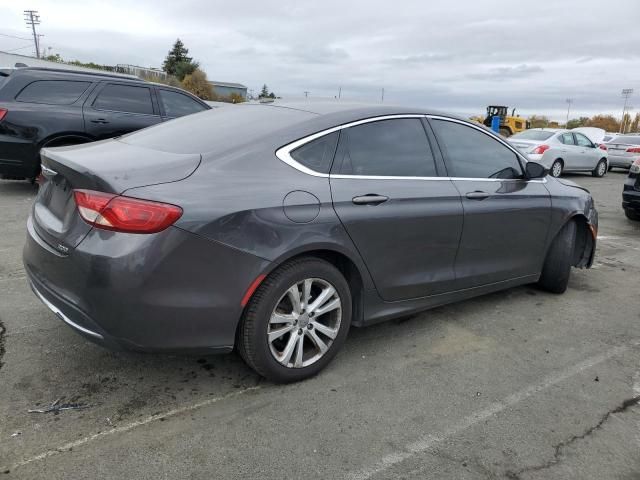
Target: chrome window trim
{"points": [[62, 316], [284, 153]]}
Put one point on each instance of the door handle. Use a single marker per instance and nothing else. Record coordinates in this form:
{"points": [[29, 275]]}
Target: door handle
{"points": [[477, 195], [369, 199], [100, 120]]}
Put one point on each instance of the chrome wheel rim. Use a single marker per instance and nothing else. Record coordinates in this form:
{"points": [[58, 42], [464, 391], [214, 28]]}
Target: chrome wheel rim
{"points": [[557, 169], [304, 323], [602, 168]]}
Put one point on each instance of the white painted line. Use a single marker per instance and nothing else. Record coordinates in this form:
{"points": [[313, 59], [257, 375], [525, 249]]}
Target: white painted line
{"points": [[126, 428], [428, 441]]}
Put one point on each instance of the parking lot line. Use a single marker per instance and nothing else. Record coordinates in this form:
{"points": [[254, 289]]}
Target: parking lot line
{"points": [[128, 427], [428, 441]]}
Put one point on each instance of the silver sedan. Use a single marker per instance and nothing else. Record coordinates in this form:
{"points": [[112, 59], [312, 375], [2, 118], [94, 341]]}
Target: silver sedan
{"points": [[624, 150], [562, 150]]}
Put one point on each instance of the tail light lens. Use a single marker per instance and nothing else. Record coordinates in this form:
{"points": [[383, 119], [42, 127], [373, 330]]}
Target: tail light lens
{"points": [[540, 149], [633, 150], [635, 167], [3, 113], [602, 146], [124, 214]]}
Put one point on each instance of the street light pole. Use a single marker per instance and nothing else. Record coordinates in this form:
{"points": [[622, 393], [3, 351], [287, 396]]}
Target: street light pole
{"points": [[569, 101], [626, 93]]}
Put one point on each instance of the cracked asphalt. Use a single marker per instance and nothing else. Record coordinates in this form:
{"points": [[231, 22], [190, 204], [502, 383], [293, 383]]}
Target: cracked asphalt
{"points": [[516, 385]]}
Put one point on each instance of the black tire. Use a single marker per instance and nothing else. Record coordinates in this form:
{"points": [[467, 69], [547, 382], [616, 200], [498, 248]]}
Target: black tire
{"points": [[601, 169], [555, 171], [632, 214], [252, 341], [557, 266], [505, 132]]}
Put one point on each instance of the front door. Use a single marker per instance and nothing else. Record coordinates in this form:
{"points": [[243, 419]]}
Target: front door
{"points": [[119, 108], [589, 154], [506, 217], [405, 221]]}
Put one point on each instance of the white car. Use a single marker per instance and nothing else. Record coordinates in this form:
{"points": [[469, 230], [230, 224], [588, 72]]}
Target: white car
{"points": [[564, 150]]}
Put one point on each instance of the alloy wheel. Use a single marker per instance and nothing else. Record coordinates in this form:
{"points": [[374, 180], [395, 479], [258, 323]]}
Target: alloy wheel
{"points": [[602, 169], [304, 323], [556, 170]]}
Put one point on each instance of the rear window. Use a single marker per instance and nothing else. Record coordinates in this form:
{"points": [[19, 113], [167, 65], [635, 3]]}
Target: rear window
{"points": [[630, 140], [53, 92], [177, 104], [533, 135]]}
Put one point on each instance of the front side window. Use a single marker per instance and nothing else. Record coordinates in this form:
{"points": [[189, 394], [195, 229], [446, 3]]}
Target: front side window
{"points": [[397, 148], [317, 154], [582, 140], [567, 139], [177, 104], [53, 92], [125, 98], [471, 153]]}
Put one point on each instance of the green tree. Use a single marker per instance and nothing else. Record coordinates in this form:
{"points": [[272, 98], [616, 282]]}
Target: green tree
{"points": [[539, 121], [577, 122], [264, 93], [178, 63]]}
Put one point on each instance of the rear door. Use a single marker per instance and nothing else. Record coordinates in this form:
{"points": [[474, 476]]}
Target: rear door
{"points": [[506, 217], [405, 221], [175, 104], [118, 108]]}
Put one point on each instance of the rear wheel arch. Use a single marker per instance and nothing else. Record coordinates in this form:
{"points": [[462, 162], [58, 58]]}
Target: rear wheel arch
{"points": [[584, 242]]}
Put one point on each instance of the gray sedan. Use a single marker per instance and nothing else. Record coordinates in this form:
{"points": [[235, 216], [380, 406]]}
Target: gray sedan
{"points": [[624, 150], [562, 151], [274, 230]]}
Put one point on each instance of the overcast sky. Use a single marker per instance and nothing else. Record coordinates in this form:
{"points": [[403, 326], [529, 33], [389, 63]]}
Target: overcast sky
{"points": [[454, 55]]}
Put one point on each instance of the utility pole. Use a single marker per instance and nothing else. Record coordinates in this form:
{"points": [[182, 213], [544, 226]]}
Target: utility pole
{"points": [[32, 18], [339, 93], [626, 93], [382, 98], [306, 94], [569, 101]]}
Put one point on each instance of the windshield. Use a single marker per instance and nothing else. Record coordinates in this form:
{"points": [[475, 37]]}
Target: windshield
{"points": [[533, 135]]}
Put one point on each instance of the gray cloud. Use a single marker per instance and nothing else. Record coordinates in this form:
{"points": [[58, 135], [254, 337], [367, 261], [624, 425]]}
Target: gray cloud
{"points": [[459, 56]]}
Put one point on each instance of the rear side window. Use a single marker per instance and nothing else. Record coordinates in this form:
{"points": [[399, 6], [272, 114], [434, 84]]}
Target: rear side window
{"points": [[53, 92], [567, 139], [317, 154], [177, 104], [125, 98], [397, 148], [471, 153]]}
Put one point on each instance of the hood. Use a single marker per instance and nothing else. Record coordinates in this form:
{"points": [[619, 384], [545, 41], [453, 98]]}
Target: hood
{"points": [[569, 183], [596, 135]]}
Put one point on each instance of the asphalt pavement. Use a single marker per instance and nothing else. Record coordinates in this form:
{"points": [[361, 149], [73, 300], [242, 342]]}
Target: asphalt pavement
{"points": [[520, 384]]}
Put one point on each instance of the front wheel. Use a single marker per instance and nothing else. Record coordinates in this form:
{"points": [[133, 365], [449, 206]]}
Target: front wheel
{"points": [[556, 168], [601, 169], [631, 214], [557, 266], [296, 321]]}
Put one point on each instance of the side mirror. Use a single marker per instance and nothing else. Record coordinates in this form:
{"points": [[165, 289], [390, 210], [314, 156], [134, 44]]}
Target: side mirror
{"points": [[535, 170]]}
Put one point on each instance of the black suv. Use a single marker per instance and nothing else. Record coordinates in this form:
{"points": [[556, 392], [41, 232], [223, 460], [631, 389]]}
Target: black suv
{"points": [[48, 107]]}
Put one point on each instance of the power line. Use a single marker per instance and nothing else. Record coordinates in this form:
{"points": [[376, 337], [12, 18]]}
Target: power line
{"points": [[13, 36], [19, 48], [32, 18]]}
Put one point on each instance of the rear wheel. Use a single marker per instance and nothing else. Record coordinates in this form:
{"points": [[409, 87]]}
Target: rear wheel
{"points": [[601, 168], [556, 168], [632, 214], [557, 266], [296, 321], [505, 132]]}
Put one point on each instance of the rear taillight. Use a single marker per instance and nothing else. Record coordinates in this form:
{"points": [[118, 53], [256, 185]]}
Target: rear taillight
{"points": [[602, 146], [635, 167], [540, 149], [633, 150], [3, 113], [124, 214]]}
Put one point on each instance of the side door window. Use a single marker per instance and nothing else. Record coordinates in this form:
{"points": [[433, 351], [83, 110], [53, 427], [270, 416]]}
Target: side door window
{"points": [[176, 104], [53, 92], [471, 153], [125, 98], [396, 148]]}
